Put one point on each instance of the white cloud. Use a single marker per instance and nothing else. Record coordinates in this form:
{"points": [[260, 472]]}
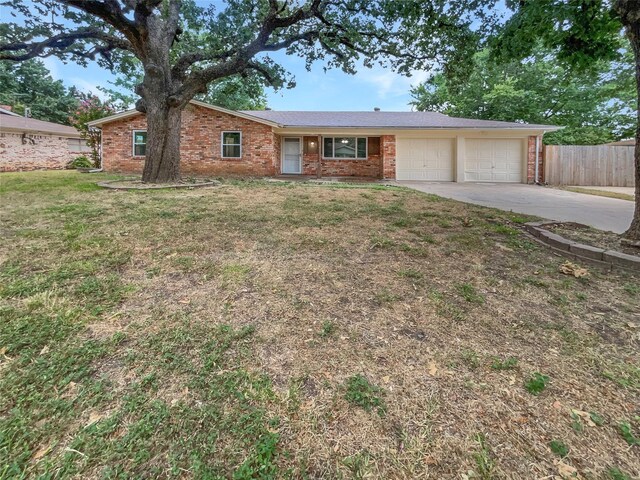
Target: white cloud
{"points": [[87, 87], [53, 65], [389, 84]]}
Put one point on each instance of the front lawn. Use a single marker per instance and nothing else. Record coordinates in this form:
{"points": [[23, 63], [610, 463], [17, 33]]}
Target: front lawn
{"points": [[262, 330]]}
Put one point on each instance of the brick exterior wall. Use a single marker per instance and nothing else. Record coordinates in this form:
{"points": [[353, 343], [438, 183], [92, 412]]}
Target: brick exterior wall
{"points": [[362, 167], [261, 149], [531, 160], [200, 145], [388, 156], [40, 152]]}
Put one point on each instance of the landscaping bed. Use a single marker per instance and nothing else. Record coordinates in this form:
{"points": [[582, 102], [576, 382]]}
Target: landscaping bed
{"points": [[268, 330], [137, 184], [591, 236]]}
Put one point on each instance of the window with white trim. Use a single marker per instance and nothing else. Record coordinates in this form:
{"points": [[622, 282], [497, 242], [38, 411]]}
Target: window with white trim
{"points": [[139, 143], [344, 147], [231, 144]]}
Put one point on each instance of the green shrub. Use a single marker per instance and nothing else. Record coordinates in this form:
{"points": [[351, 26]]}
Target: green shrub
{"points": [[80, 162]]}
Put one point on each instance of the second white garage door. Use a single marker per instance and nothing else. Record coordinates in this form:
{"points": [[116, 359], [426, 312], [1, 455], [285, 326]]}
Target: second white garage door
{"points": [[493, 160], [424, 159]]}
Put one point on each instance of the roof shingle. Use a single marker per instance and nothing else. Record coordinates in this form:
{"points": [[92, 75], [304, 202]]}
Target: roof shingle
{"points": [[374, 119], [25, 124]]}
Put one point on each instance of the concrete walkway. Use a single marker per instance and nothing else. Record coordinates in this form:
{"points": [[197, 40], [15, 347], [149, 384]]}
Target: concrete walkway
{"points": [[600, 212]]}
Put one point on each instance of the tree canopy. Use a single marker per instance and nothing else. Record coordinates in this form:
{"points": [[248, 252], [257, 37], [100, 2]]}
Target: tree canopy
{"points": [[582, 33], [29, 84], [235, 93], [596, 105], [183, 46]]}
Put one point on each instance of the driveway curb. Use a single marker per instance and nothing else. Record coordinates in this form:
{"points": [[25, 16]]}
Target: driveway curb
{"points": [[607, 259]]}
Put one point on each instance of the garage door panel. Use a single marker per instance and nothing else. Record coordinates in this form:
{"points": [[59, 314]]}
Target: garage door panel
{"points": [[493, 160], [424, 159]]}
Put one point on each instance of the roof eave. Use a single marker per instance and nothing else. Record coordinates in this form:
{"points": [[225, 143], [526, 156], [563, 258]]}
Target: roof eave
{"points": [[546, 128], [133, 112]]}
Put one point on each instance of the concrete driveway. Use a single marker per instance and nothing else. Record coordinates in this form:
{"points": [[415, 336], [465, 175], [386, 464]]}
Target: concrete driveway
{"points": [[600, 212]]}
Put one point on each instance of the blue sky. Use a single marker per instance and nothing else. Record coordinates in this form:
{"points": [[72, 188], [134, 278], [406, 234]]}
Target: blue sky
{"points": [[315, 90]]}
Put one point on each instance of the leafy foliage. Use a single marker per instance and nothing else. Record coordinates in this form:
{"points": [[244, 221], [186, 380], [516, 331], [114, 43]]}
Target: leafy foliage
{"points": [[80, 162], [234, 93], [29, 84], [537, 383], [595, 106], [559, 448], [90, 108]]}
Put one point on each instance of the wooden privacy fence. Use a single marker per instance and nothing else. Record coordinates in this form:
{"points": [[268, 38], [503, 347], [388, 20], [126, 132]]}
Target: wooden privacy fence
{"points": [[599, 165]]}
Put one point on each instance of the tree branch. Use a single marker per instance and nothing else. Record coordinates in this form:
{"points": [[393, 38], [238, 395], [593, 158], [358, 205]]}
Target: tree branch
{"points": [[64, 42]]}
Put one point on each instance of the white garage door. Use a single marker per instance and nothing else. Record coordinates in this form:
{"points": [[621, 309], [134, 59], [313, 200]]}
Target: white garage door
{"points": [[424, 159], [493, 160]]}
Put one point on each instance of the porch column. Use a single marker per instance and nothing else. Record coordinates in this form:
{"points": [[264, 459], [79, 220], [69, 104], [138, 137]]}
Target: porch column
{"points": [[319, 163], [460, 158], [388, 156]]}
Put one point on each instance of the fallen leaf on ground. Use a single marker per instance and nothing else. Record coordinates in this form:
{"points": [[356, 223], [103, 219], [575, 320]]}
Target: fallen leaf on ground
{"points": [[41, 452], [585, 416], [94, 417], [567, 471], [433, 370], [569, 268]]}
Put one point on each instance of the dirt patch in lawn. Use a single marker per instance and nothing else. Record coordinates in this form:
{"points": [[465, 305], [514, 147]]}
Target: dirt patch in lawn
{"points": [[269, 330], [592, 236]]}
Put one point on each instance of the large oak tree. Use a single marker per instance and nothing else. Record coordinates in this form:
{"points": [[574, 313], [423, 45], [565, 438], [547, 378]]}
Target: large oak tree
{"points": [[183, 46], [582, 33]]}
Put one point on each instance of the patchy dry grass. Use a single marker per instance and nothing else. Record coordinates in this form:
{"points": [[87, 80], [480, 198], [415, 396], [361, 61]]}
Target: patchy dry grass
{"points": [[600, 193], [287, 331]]}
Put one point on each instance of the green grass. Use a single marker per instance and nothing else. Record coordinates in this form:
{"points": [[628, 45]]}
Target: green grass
{"points": [[215, 334], [507, 364], [328, 329], [559, 448], [469, 293], [485, 464], [626, 431], [615, 473], [537, 383], [360, 392], [601, 193]]}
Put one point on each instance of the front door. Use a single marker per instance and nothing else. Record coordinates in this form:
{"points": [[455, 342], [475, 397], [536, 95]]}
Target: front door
{"points": [[291, 155]]}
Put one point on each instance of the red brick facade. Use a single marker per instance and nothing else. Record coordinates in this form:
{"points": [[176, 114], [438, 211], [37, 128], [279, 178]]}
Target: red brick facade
{"points": [[531, 160], [261, 149], [372, 166], [200, 146], [26, 151]]}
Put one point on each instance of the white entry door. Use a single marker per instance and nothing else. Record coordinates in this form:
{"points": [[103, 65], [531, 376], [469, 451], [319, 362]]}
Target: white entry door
{"points": [[291, 155]]}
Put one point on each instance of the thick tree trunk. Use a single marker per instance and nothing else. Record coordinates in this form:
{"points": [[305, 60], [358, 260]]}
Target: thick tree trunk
{"points": [[162, 161]]}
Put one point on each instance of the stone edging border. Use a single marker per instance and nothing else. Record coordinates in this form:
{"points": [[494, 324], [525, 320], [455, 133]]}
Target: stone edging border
{"points": [[608, 259], [110, 184]]}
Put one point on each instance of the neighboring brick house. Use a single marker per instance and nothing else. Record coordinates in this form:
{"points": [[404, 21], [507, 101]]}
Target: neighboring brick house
{"points": [[396, 145], [30, 144]]}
